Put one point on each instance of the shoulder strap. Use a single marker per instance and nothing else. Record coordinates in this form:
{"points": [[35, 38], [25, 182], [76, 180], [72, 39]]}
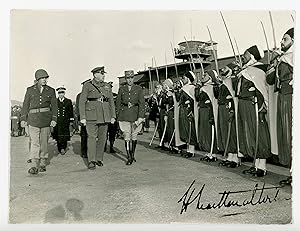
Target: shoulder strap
{"points": [[96, 87]]}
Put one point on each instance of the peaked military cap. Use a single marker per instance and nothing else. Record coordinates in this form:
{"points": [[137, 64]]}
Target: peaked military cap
{"points": [[98, 69], [61, 89]]}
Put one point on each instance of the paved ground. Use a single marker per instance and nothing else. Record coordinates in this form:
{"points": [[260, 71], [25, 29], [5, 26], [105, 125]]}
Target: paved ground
{"points": [[146, 192]]}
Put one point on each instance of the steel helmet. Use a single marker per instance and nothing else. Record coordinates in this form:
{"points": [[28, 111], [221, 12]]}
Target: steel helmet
{"points": [[41, 73]]}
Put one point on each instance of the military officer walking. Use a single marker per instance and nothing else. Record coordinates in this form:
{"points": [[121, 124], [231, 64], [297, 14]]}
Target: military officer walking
{"points": [[130, 107], [39, 112], [97, 109], [65, 117]]}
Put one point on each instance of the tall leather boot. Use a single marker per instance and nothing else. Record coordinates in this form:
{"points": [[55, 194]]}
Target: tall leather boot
{"points": [[134, 142], [127, 147]]}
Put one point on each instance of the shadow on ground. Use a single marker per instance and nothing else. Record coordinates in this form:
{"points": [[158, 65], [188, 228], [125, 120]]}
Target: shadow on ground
{"points": [[70, 212]]}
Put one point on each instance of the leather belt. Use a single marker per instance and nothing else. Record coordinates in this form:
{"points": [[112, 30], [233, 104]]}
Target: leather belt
{"points": [[129, 105], [43, 109], [101, 99]]}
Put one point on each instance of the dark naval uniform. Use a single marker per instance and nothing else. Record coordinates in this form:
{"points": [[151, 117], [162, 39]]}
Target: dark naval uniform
{"points": [[64, 117], [39, 109], [130, 106], [96, 105]]}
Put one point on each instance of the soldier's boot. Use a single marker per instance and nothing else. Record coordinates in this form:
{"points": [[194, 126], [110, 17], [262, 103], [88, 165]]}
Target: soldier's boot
{"points": [[111, 148], [42, 167], [134, 142], [33, 170], [127, 147]]}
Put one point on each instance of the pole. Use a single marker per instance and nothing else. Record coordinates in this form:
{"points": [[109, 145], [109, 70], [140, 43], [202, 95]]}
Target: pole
{"points": [[266, 38], [150, 78], [194, 67], [173, 52], [166, 65], [158, 79]]}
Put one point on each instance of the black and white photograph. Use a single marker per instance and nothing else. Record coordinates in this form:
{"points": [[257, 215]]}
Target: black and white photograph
{"points": [[151, 116]]}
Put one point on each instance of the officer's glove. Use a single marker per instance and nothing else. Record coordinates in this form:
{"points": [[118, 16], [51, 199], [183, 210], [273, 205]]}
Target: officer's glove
{"points": [[112, 120], [53, 123], [211, 121], [83, 121], [23, 124]]}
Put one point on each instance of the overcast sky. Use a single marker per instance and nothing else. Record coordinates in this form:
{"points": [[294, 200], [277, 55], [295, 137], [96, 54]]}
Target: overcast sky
{"points": [[68, 44]]}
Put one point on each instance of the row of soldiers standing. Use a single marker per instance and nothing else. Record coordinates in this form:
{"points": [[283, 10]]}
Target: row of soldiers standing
{"points": [[242, 110]]}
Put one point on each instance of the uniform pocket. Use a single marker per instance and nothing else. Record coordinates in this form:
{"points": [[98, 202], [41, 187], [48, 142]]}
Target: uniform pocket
{"points": [[91, 113]]}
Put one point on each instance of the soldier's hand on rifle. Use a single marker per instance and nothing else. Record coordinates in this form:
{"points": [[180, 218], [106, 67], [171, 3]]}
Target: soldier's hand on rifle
{"points": [[83, 121], [53, 123], [23, 124], [112, 120]]}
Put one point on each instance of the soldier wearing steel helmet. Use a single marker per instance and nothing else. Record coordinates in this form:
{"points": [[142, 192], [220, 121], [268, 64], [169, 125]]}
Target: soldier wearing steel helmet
{"points": [[39, 112]]}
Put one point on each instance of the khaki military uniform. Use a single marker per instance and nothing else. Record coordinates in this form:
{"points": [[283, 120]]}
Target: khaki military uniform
{"points": [[39, 109], [130, 107], [96, 105]]}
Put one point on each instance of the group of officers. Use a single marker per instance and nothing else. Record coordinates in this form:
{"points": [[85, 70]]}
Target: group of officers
{"points": [[242, 110], [46, 115]]}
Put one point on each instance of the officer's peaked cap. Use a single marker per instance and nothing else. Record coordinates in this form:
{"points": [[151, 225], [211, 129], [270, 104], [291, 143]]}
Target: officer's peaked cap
{"points": [[98, 69], [61, 89]]}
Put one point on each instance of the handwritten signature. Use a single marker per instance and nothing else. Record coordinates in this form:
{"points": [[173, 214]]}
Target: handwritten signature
{"points": [[258, 196]]}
